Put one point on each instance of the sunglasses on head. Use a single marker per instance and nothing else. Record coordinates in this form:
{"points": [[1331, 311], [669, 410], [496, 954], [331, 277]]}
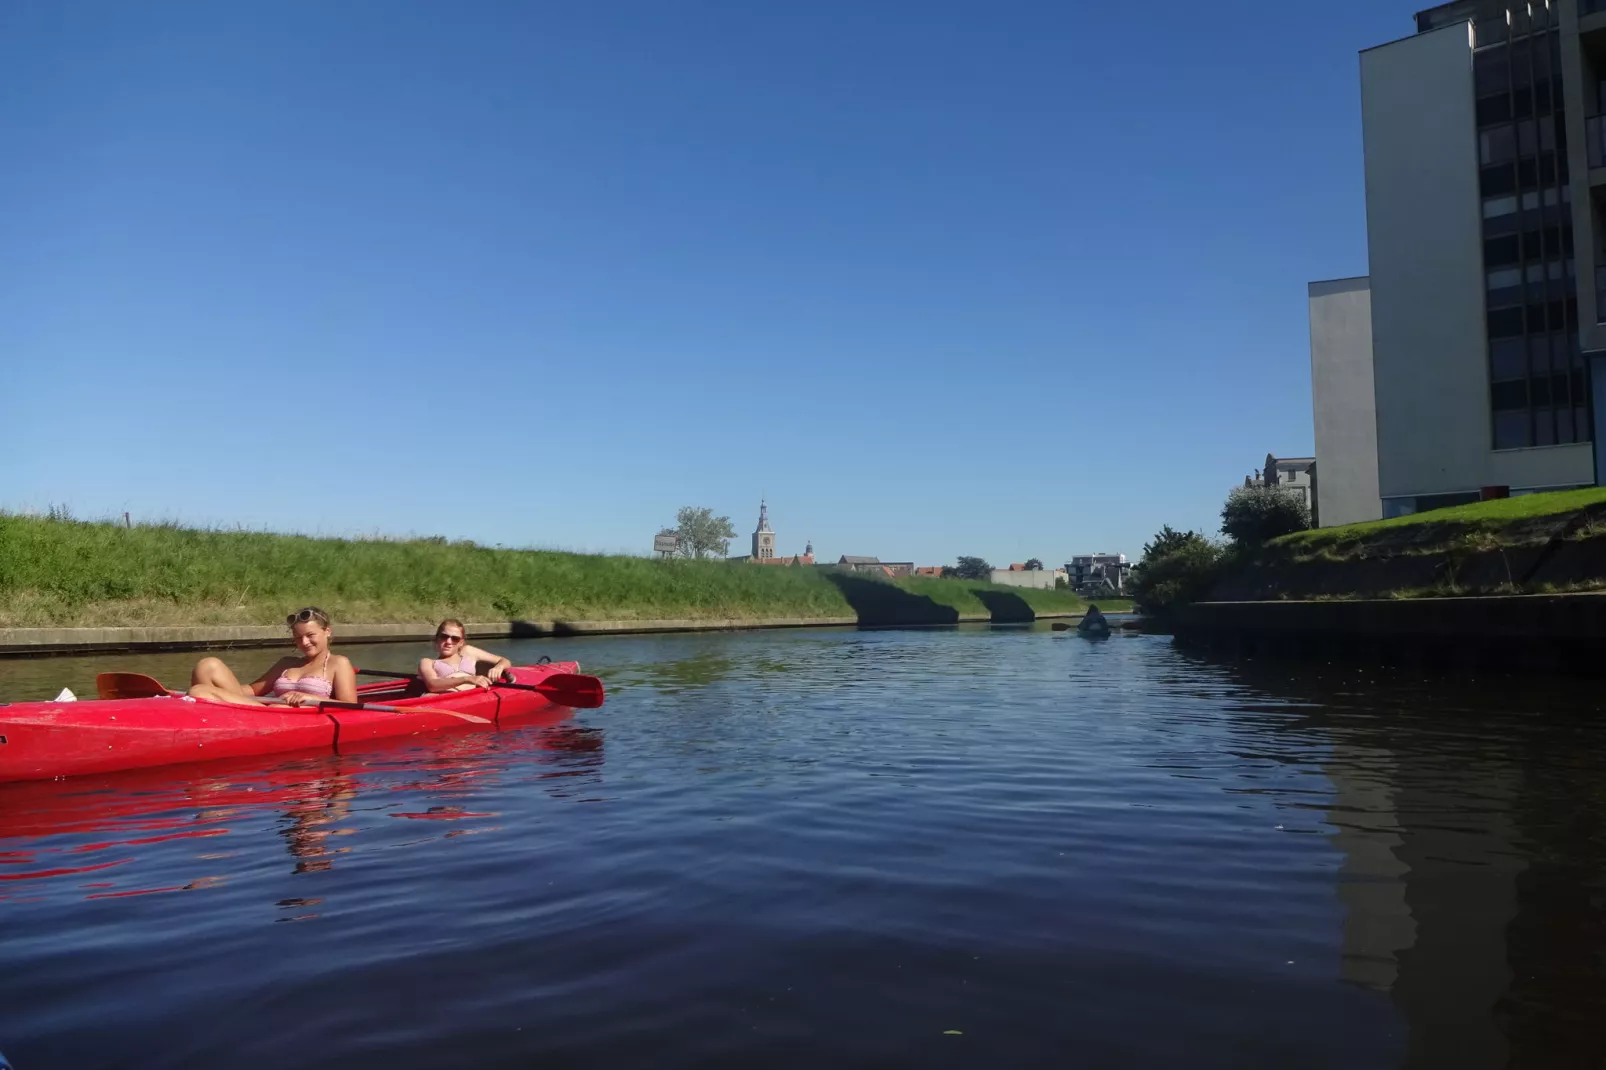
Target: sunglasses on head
{"points": [[310, 613]]}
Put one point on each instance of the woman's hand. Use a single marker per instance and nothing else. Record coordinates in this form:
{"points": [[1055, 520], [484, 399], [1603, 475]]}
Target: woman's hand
{"points": [[482, 681], [294, 698]]}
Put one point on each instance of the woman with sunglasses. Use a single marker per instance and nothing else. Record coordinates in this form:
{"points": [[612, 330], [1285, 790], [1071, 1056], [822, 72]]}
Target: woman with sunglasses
{"points": [[317, 674], [455, 669]]}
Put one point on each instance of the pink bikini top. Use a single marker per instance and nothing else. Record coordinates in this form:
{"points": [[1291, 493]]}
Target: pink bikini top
{"points": [[306, 685], [446, 668]]}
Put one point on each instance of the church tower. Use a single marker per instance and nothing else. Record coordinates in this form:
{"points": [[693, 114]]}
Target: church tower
{"points": [[763, 538]]}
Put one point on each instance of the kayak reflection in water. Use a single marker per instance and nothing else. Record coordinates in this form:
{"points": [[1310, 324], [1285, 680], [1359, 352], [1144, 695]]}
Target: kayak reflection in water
{"points": [[456, 667], [317, 674], [1094, 622]]}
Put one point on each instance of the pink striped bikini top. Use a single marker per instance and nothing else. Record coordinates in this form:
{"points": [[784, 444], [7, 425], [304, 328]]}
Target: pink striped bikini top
{"points": [[306, 685], [446, 668]]}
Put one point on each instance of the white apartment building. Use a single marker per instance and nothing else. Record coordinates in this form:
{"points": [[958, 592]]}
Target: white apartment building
{"points": [[1471, 361]]}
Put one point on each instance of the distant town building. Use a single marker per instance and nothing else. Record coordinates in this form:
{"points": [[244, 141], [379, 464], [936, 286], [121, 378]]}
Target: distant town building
{"points": [[763, 537], [1296, 474], [875, 564], [764, 544], [928, 570], [1090, 572], [1021, 576]]}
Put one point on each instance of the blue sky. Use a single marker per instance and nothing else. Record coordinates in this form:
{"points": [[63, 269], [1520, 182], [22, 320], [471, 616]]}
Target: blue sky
{"points": [[935, 278]]}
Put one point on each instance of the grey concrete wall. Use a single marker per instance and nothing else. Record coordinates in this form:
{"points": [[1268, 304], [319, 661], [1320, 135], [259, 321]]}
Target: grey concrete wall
{"points": [[1423, 227], [1343, 401]]}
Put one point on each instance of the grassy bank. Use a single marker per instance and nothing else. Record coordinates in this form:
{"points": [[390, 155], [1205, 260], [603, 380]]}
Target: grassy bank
{"points": [[70, 573], [1535, 544]]}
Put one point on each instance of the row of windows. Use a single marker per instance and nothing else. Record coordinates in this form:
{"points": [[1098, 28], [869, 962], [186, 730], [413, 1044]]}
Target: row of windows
{"points": [[1508, 249], [1550, 169], [1494, 207], [1523, 101], [1559, 389], [1517, 428], [1527, 319], [1523, 62], [1503, 143], [1509, 357]]}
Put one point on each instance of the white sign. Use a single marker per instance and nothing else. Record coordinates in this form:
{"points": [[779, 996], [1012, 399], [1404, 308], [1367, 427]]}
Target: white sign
{"points": [[665, 544]]}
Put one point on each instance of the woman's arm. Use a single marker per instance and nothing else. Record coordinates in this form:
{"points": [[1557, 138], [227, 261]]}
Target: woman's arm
{"points": [[499, 664], [345, 679]]}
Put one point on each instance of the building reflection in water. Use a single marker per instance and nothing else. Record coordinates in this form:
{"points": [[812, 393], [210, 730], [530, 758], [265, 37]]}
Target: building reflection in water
{"points": [[1473, 873]]}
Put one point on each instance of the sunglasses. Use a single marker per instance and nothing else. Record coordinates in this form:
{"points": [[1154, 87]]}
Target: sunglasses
{"points": [[310, 613], [447, 637]]}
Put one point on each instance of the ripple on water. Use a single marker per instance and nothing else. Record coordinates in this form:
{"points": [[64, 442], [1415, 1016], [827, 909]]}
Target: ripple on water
{"points": [[838, 847]]}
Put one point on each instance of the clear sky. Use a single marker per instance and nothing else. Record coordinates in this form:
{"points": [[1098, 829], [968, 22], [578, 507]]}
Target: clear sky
{"points": [[935, 278]]}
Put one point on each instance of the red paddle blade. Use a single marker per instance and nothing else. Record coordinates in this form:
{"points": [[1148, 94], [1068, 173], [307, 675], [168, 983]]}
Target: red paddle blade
{"points": [[572, 689], [128, 685]]}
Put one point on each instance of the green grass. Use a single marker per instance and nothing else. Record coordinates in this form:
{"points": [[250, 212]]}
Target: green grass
{"points": [[1490, 516], [70, 573]]}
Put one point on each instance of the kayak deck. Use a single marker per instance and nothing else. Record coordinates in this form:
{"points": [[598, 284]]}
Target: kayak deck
{"points": [[44, 740]]}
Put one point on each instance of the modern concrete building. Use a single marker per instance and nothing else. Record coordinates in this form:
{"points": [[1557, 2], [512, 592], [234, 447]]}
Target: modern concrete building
{"points": [[1091, 571], [1033, 578], [1345, 409], [1485, 164]]}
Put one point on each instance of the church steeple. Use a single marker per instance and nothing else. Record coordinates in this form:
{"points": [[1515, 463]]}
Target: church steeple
{"points": [[763, 538]]}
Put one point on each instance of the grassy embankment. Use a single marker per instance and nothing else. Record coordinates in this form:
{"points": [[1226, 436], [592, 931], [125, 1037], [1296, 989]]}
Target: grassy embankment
{"points": [[1535, 544], [70, 573]]}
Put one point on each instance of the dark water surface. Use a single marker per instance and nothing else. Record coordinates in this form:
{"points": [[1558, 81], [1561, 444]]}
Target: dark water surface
{"points": [[899, 848]]}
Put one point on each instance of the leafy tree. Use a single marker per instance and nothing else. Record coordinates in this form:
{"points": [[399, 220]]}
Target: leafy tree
{"points": [[1060, 583], [702, 534], [1184, 574], [969, 568], [1034, 564], [1168, 539], [1254, 515]]}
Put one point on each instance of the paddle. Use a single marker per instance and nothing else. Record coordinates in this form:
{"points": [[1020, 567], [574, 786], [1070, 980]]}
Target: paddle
{"points": [[128, 685], [564, 688]]}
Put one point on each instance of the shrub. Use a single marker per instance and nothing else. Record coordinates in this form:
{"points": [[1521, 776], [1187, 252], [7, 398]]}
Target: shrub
{"points": [[1254, 515], [1184, 570]]}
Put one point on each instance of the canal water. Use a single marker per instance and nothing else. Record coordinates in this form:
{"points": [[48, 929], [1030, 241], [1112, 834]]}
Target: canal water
{"points": [[974, 846]]}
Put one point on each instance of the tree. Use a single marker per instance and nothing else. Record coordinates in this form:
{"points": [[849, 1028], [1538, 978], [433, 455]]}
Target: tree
{"points": [[1185, 574], [1034, 564], [1254, 515], [1168, 540], [969, 568], [702, 534]]}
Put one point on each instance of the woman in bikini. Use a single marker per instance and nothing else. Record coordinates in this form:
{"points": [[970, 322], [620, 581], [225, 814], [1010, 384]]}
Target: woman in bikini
{"points": [[454, 668], [315, 675]]}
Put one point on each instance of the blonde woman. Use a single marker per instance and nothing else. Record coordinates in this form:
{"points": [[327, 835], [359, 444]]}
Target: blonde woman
{"points": [[455, 668], [317, 674]]}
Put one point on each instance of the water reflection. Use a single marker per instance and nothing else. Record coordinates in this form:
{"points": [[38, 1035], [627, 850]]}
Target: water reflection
{"points": [[1473, 856], [106, 828]]}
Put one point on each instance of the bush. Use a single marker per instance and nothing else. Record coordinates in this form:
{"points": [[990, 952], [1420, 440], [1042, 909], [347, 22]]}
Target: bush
{"points": [[1183, 571], [1254, 515]]}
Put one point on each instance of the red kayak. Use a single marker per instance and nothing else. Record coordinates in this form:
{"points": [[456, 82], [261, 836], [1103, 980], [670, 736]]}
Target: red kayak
{"points": [[43, 740]]}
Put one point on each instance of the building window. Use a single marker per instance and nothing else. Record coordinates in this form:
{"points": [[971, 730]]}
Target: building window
{"points": [[1496, 145], [1511, 429]]}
